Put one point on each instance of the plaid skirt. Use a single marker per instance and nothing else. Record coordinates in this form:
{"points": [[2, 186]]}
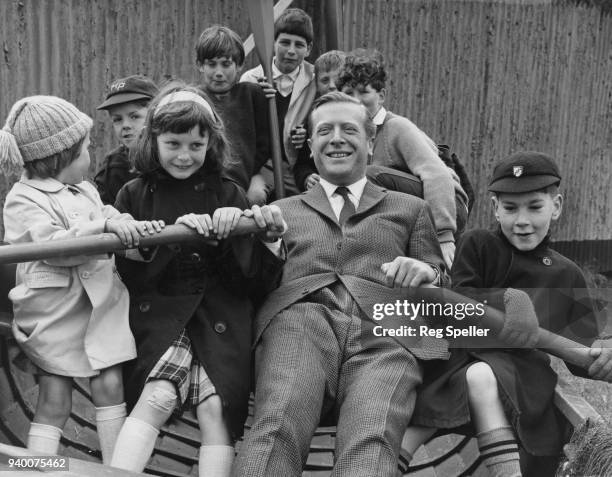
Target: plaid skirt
{"points": [[180, 366]]}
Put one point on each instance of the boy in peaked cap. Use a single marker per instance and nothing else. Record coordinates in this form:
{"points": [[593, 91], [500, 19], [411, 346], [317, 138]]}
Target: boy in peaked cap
{"points": [[126, 103], [506, 395]]}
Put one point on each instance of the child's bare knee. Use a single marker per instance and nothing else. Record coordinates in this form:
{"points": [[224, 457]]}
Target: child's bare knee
{"points": [[162, 397], [107, 388], [210, 409], [54, 405], [481, 381]]}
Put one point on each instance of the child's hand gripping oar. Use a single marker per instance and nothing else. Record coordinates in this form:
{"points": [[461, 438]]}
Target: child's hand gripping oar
{"points": [[107, 242]]}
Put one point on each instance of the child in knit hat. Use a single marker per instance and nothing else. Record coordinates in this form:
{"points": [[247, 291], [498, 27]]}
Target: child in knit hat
{"points": [[70, 314]]}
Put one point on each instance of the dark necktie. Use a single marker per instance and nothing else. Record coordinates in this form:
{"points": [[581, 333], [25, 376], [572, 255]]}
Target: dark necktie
{"points": [[348, 208]]}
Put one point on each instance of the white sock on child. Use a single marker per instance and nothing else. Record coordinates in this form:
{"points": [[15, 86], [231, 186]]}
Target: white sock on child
{"points": [[44, 439], [109, 420], [134, 445], [215, 461]]}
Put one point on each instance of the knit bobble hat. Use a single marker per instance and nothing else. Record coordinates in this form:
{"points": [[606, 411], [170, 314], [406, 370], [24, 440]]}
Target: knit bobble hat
{"points": [[38, 127]]}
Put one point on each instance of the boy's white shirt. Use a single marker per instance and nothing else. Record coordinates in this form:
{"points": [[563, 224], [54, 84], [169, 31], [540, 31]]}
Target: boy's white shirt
{"points": [[379, 117], [276, 73]]}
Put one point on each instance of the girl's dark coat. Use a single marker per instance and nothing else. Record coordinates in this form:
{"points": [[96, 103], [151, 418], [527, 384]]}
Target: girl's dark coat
{"points": [[205, 289]]}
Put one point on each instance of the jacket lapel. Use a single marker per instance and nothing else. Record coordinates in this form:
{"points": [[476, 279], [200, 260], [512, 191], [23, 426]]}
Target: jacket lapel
{"points": [[317, 199], [371, 196]]}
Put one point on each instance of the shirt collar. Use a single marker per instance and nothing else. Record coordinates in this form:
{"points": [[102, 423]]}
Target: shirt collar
{"points": [[379, 117], [356, 188], [46, 185], [277, 73]]}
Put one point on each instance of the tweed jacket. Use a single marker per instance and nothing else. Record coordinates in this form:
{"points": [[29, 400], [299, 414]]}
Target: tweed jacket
{"points": [[320, 252]]}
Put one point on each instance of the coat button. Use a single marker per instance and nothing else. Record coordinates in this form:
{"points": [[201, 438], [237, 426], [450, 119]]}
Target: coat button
{"points": [[547, 261], [85, 275], [339, 246], [220, 327], [144, 306], [305, 291], [195, 257], [199, 290]]}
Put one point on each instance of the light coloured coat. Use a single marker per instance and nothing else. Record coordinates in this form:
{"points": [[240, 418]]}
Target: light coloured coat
{"points": [[70, 313]]}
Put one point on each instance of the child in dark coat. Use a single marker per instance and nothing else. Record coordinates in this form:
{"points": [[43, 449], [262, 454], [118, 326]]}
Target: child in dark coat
{"points": [[507, 394], [126, 103], [190, 307], [242, 106]]}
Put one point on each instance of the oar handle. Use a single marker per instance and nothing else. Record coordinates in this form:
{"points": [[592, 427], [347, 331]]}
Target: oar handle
{"points": [[261, 15], [107, 242], [564, 348]]}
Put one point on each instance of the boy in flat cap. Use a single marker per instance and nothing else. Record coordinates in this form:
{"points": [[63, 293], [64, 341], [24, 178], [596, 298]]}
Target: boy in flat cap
{"points": [[506, 395], [126, 103]]}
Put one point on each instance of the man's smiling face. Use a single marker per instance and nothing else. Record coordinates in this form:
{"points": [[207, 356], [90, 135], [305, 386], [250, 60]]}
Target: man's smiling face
{"points": [[339, 142]]}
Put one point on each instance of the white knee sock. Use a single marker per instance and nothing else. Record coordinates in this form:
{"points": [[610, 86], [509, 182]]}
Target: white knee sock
{"points": [[215, 461], [134, 445], [109, 421], [44, 439]]}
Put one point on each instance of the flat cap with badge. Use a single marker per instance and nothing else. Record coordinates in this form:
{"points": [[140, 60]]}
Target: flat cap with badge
{"points": [[524, 171], [131, 88]]}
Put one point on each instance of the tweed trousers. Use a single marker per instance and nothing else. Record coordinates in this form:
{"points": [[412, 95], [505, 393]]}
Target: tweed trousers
{"points": [[311, 361]]}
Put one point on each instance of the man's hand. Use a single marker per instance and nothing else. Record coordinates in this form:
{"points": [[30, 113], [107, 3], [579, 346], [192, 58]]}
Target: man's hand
{"points": [[130, 231], [269, 219], [311, 181], [448, 253], [266, 87], [601, 368], [407, 272]]}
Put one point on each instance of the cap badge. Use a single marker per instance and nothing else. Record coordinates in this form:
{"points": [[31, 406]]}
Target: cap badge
{"points": [[517, 171], [117, 86], [547, 261]]}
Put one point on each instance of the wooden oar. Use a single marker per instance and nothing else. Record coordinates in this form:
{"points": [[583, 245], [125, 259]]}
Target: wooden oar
{"points": [[552, 343], [261, 15], [107, 242], [564, 348], [334, 26]]}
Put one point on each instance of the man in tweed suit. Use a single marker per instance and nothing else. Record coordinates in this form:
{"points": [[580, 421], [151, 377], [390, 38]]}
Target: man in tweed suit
{"points": [[345, 249]]}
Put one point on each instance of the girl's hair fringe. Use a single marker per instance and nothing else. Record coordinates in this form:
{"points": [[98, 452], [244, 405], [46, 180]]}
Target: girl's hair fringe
{"points": [[180, 117]]}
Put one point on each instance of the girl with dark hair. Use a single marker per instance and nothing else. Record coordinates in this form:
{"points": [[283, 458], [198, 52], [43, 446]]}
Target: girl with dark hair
{"points": [[190, 307]]}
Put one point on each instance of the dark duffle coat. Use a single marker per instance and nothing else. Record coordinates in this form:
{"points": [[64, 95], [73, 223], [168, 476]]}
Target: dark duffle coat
{"points": [[485, 264], [202, 288]]}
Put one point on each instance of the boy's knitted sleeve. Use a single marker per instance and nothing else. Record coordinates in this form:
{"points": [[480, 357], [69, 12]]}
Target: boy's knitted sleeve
{"points": [[406, 142]]}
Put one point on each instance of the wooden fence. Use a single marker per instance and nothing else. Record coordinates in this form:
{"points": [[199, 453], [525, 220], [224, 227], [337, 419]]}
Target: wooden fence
{"points": [[488, 78]]}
